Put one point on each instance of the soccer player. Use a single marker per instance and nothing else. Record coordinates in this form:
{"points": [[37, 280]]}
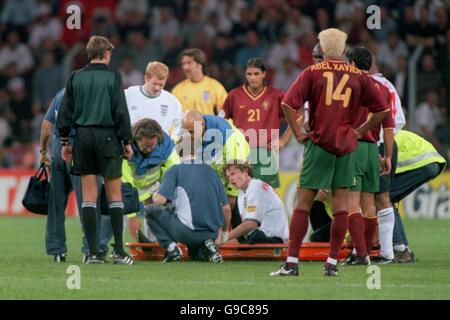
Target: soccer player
{"points": [[94, 103], [385, 209], [152, 101], [335, 90], [255, 108], [367, 168], [222, 143], [262, 210], [384, 212], [198, 91]]}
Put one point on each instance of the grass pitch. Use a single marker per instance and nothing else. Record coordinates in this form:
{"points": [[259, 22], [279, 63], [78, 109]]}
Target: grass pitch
{"points": [[26, 272]]}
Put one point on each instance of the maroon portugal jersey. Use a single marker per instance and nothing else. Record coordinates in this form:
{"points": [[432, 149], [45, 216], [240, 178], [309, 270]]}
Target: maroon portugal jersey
{"points": [[258, 113], [336, 92], [373, 135]]}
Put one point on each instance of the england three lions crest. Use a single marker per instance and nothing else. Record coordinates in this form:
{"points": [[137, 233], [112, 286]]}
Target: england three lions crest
{"points": [[164, 110]]}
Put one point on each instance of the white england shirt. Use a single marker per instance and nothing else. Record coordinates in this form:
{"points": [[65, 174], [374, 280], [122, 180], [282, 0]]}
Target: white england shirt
{"points": [[263, 205], [396, 104], [164, 108]]}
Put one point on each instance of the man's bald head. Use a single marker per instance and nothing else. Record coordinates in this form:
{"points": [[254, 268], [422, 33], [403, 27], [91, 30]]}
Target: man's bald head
{"points": [[317, 54], [191, 116]]}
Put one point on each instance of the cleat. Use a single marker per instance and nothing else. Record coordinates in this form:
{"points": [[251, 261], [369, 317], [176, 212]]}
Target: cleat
{"points": [[212, 251], [92, 259], [381, 260], [58, 258], [284, 270], [405, 256], [122, 259], [330, 270], [102, 255], [353, 260], [173, 255], [113, 251]]}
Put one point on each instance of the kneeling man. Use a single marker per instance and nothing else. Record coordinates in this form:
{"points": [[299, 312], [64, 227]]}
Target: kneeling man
{"points": [[262, 211]]}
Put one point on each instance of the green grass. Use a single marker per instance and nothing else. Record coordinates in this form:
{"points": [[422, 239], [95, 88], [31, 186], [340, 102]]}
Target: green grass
{"points": [[26, 272]]}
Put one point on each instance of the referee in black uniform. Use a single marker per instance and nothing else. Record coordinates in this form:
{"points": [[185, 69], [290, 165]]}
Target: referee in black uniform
{"points": [[94, 105]]}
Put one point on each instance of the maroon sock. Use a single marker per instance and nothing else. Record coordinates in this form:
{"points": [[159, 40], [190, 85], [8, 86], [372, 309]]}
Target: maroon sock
{"points": [[370, 229], [338, 230], [357, 232], [297, 231]]}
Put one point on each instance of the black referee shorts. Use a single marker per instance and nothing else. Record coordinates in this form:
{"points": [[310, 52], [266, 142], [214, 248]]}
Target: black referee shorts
{"points": [[97, 151], [388, 179]]}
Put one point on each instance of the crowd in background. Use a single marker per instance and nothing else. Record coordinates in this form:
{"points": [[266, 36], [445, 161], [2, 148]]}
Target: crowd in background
{"points": [[38, 51]]}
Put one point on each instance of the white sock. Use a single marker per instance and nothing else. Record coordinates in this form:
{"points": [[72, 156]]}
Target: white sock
{"points": [[386, 221], [332, 261], [292, 260], [171, 246], [399, 247]]}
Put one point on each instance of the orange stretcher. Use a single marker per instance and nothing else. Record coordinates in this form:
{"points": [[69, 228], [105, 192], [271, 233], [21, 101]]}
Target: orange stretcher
{"points": [[311, 251]]}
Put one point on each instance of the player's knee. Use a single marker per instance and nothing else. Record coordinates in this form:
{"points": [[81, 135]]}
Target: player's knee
{"points": [[382, 201]]}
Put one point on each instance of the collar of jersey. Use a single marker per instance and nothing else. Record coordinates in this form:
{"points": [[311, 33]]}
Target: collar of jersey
{"points": [[252, 96], [147, 95]]}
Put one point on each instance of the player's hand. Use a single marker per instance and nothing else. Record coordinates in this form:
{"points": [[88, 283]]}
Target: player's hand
{"points": [[386, 166], [128, 151], [153, 188], [66, 153], [134, 224], [357, 133], [274, 145], [224, 237], [45, 160], [300, 137], [322, 194]]}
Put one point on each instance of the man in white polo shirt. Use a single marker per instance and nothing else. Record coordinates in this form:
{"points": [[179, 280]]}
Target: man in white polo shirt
{"points": [[262, 210], [150, 100]]}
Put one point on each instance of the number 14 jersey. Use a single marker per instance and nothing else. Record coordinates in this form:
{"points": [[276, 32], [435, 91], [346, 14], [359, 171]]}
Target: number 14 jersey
{"points": [[336, 92]]}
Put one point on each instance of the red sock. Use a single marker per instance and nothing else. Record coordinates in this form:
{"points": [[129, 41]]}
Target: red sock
{"points": [[370, 229], [338, 230], [297, 231], [357, 232]]}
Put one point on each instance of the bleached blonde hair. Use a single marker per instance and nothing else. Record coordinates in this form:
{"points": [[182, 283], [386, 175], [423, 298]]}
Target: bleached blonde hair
{"points": [[158, 69], [332, 41]]}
